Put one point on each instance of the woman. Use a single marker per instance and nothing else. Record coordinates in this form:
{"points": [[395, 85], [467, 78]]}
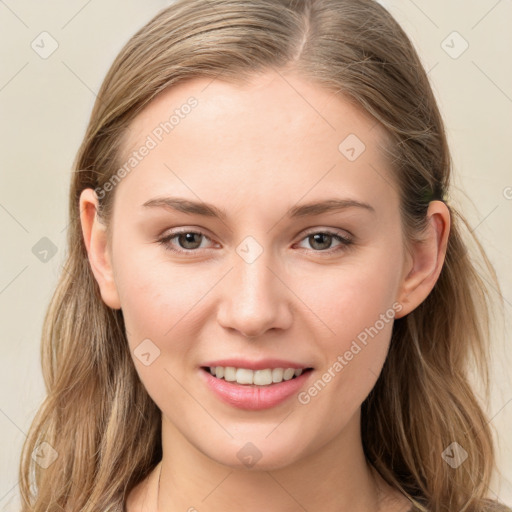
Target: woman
{"points": [[268, 302]]}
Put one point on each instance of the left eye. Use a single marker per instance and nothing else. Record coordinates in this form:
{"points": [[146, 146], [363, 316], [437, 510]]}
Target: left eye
{"points": [[324, 238], [188, 241]]}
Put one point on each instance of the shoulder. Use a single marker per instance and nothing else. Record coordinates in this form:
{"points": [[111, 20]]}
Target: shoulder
{"points": [[486, 505], [494, 506]]}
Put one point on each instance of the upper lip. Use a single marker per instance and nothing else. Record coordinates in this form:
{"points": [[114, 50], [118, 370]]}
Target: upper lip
{"points": [[261, 364]]}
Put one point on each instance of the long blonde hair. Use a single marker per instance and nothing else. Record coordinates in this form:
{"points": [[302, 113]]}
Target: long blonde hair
{"points": [[98, 418]]}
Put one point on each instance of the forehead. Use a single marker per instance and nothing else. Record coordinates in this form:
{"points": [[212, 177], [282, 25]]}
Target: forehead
{"points": [[278, 134]]}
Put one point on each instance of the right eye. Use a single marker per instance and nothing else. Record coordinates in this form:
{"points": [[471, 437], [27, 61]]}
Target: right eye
{"points": [[188, 241]]}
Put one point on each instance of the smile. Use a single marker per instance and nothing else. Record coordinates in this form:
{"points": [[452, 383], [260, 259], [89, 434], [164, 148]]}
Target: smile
{"points": [[244, 392], [246, 376]]}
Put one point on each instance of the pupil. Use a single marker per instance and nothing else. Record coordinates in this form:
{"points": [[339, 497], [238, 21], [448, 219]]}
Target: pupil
{"points": [[189, 239], [321, 235]]}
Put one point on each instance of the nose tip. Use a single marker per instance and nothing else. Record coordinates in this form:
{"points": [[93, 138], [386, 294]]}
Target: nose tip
{"points": [[250, 321], [254, 301]]}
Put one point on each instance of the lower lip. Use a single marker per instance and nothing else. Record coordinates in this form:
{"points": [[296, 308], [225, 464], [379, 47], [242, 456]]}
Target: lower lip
{"points": [[253, 397]]}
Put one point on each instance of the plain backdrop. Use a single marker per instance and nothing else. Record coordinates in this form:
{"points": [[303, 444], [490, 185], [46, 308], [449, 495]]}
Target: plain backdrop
{"points": [[45, 103]]}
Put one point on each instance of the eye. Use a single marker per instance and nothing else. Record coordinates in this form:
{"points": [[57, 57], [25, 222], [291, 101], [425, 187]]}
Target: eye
{"points": [[187, 241], [322, 240]]}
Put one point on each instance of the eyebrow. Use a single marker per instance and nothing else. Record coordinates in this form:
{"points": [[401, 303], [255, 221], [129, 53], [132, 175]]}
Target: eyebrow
{"points": [[209, 210]]}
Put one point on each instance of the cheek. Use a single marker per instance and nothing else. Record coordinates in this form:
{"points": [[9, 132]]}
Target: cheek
{"points": [[157, 301], [154, 292], [349, 297], [355, 305]]}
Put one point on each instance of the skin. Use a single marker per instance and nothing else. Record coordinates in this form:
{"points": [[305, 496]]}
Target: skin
{"points": [[256, 151]]}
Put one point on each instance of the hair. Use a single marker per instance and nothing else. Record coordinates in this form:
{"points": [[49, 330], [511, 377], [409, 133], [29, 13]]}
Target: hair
{"points": [[97, 415]]}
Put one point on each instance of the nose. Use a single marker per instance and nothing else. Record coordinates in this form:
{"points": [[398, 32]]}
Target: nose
{"points": [[255, 299]]}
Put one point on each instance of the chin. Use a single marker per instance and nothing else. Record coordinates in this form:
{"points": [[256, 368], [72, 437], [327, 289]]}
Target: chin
{"points": [[255, 456]]}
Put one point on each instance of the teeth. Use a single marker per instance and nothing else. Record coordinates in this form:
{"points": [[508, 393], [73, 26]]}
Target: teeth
{"points": [[277, 374], [261, 377], [258, 377], [288, 373], [229, 373], [244, 376]]}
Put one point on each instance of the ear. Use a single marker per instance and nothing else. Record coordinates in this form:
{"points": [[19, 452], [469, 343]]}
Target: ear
{"points": [[95, 238], [425, 260]]}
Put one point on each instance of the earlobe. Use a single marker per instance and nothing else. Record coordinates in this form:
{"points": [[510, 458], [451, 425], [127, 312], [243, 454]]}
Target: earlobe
{"points": [[426, 260], [95, 239]]}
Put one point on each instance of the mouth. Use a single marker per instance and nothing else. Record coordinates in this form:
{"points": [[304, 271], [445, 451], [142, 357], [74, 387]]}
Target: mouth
{"points": [[262, 378]]}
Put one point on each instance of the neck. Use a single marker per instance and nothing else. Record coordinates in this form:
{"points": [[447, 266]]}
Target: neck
{"points": [[335, 477]]}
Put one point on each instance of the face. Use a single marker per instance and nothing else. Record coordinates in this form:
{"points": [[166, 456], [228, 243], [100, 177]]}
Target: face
{"points": [[260, 278]]}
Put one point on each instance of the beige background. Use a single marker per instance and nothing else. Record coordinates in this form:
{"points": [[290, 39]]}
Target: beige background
{"points": [[44, 108]]}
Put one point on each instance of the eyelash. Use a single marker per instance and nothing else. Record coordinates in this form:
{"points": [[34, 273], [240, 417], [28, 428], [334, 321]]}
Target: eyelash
{"points": [[345, 241]]}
